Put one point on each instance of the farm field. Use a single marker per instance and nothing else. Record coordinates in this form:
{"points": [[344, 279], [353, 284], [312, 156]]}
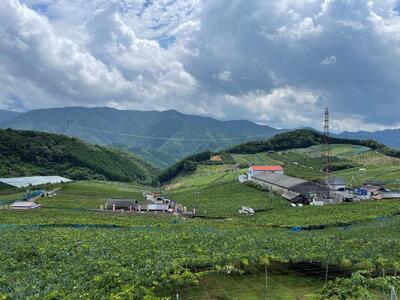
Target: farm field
{"points": [[67, 249]]}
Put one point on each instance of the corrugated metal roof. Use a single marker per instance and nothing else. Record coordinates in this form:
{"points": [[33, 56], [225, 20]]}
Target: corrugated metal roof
{"points": [[290, 195], [157, 207], [24, 204], [266, 168], [280, 180], [21, 182]]}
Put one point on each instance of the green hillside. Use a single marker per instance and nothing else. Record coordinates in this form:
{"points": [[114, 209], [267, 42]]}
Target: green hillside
{"points": [[25, 153]]}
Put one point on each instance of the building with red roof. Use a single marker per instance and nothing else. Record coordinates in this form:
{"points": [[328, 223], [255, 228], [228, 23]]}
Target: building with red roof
{"points": [[255, 170]]}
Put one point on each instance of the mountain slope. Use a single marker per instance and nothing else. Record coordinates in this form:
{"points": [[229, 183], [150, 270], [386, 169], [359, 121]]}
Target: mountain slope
{"points": [[174, 134], [25, 153], [390, 137], [6, 115]]}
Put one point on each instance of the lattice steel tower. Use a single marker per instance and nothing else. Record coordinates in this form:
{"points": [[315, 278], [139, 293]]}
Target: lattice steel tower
{"points": [[327, 150]]}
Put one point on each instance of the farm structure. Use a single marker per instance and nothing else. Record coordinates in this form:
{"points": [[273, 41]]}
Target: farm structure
{"points": [[256, 170], [24, 205], [122, 204], [134, 205], [336, 184], [22, 182], [293, 189]]}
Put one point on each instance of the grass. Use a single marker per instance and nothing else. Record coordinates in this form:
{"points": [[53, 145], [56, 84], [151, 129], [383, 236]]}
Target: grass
{"points": [[225, 199], [283, 284], [390, 175]]}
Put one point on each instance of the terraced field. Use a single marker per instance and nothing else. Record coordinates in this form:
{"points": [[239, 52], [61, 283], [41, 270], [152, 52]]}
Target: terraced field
{"points": [[341, 151], [374, 158]]}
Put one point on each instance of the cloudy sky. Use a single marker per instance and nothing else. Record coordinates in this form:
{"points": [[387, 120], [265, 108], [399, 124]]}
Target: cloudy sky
{"points": [[276, 62]]}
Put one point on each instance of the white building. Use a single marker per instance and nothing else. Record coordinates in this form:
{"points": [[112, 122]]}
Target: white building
{"points": [[255, 170], [24, 205]]}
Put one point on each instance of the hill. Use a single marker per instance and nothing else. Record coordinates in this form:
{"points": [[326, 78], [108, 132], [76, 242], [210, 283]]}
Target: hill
{"points": [[25, 153], [307, 165], [147, 133]]}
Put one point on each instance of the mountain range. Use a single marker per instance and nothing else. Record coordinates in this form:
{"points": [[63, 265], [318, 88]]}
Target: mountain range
{"points": [[162, 138]]}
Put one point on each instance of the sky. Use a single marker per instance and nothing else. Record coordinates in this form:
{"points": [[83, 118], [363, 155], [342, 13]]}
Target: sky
{"points": [[274, 62]]}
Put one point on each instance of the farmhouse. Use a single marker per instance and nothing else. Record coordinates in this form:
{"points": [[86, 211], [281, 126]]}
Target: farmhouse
{"points": [[24, 205], [255, 170], [292, 188]]}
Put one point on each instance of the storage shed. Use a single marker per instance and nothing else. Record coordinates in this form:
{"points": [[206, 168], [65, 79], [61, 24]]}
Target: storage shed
{"points": [[121, 204], [24, 205]]}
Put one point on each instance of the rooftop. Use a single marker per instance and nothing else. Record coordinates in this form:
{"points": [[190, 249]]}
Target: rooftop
{"points": [[21, 182], [266, 168], [280, 180]]}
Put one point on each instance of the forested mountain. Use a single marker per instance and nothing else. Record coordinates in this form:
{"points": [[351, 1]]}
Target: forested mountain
{"points": [[161, 137], [26, 153]]}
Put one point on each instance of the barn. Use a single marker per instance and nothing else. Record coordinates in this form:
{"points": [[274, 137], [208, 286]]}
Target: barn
{"points": [[292, 188], [255, 170]]}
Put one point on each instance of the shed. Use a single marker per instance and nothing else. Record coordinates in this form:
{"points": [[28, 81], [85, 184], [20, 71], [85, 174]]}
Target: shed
{"points": [[24, 205], [293, 197], [121, 203], [157, 207], [336, 183]]}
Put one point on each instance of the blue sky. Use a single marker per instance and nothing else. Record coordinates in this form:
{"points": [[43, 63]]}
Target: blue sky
{"points": [[272, 62]]}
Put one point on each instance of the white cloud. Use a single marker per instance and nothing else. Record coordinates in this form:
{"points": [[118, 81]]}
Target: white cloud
{"points": [[223, 76], [327, 61], [263, 60]]}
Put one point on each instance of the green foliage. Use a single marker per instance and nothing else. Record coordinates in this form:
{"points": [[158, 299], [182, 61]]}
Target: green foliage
{"points": [[25, 153], [189, 165], [304, 138], [175, 169]]}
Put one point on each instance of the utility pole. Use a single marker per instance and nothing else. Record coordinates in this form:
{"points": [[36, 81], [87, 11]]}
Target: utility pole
{"points": [[196, 195], [327, 151]]}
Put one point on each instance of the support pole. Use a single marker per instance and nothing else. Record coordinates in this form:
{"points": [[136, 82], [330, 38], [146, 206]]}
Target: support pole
{"points": [[326, 272]]}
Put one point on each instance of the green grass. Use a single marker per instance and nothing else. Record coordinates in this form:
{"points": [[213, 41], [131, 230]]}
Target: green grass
{"points": [[283, 284], [204, 175], [390, 175], [255, 159], [225, 199]]}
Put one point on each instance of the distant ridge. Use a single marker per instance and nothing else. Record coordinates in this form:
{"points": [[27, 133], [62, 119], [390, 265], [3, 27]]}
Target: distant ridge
{"points": [[147, 133]]}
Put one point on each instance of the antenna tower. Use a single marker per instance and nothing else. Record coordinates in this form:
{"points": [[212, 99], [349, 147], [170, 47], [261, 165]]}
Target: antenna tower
{"points": [[327, 150]]}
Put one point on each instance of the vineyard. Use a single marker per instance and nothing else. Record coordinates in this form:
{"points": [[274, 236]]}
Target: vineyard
{"points": [[69, 250], [374, 158]]}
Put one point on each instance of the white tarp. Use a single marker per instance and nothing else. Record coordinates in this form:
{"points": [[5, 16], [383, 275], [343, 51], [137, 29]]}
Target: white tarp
{"points": [[21, 182]]}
